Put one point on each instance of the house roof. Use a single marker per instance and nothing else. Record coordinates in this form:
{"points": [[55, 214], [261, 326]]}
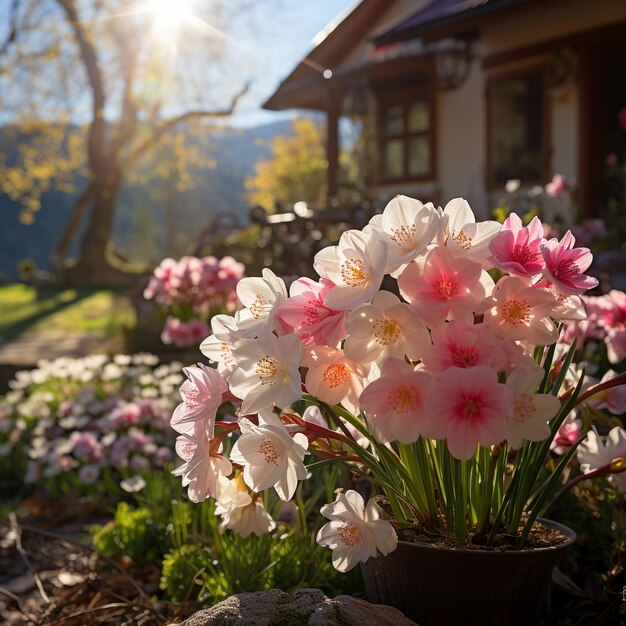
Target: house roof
{"points": [[437, 15], [332, 46]]}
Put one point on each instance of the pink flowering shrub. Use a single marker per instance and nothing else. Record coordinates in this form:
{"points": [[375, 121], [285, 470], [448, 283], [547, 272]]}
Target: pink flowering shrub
{"points": [[190, 291], [88, 423], [431, 389]]}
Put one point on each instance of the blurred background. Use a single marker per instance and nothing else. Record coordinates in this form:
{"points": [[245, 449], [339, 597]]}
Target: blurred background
{"points": [[133, 131]]}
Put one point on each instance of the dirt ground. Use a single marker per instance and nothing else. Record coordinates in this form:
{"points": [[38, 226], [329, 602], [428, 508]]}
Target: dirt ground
{"points": [[52, 577]]}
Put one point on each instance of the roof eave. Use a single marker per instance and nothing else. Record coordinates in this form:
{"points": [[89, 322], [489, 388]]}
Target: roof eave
{"points": [[440, 25]]}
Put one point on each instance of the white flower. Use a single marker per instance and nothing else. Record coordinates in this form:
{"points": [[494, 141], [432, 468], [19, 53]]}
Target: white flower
{"points": [[267, 371], [202, 471], [530, 412], [240, 513], [355, 533], [463, 236], [270, 457], [356, 267], [593, 454], [385, 328], [217, 347], [133, 484], [407, 227], [261, 297]]}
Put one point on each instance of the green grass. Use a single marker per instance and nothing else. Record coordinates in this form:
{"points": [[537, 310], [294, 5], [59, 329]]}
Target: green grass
{"points": [[25, 308]]}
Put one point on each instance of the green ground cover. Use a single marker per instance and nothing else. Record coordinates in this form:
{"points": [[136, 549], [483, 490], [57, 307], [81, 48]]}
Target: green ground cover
{"points": [[24, 308]]}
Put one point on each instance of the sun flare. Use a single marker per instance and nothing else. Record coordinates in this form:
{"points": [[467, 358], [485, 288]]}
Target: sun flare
{"points": [[168, 15]]}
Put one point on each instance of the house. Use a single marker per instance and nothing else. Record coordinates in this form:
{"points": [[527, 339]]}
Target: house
{"points": [[462, 95]]}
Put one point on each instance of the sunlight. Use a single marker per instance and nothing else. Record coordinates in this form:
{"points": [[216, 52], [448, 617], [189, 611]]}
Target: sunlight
{"points": [[168, 15]]}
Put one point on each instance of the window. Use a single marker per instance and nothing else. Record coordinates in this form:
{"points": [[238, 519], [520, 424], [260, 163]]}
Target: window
{"points": [[406, 138], [517, 128]]}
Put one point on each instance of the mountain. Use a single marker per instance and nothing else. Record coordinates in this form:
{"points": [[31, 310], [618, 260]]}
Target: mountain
{"points": [[139, 230]]}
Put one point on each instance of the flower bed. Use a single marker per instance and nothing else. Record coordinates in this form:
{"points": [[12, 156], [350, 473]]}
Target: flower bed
{"points": [[86, 424]]}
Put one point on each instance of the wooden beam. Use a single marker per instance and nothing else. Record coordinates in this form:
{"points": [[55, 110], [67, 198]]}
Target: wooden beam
{"points": [[332, 148]]}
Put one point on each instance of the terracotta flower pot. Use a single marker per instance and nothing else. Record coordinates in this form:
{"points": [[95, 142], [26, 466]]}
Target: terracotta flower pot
{"points": [[437, 586]]}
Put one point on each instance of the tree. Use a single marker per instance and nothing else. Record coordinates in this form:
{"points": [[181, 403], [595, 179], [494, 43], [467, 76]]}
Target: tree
{"points": [[103, 83], [295, 169]]}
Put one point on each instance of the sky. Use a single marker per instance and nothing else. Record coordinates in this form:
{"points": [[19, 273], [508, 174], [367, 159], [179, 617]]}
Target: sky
{"points": [[284, 36], [264, 42]]}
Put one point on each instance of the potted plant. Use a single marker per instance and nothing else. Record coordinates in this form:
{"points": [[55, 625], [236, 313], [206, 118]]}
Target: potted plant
{"points": [[443, 389]]}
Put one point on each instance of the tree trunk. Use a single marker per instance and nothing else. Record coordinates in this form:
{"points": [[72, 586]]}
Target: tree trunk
{"points": [[92, 268], [59, 257]]}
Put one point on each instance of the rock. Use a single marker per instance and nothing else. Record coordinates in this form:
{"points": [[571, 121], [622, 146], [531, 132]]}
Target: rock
{"points": [[302, 607]]}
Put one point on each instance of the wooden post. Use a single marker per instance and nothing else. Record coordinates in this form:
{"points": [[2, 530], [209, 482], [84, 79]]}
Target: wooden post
{"points": [[332, 148]]}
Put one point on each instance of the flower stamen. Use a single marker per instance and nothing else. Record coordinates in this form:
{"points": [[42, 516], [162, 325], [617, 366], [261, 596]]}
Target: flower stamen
{"points": [[403, 400], [260, 307], [465, 241], [268, 450], [404, 235], [465, 357], [349, 534], [445, 288], [516, 311], [385, 331], [335, 375], [354, 273], [524, 407], [266, 369]]}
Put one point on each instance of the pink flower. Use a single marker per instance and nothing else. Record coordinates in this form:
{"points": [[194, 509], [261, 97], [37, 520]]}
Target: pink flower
{"points": [[202, 396], [445, 287], [198, 330], [468, 408], [516, 249], [614, 324], [621, 118], [611, 160], [333, 378], [565, 437], [395, 403], [565, 265], [557, 186], [456, 344], [516, 311], [305, 313]]}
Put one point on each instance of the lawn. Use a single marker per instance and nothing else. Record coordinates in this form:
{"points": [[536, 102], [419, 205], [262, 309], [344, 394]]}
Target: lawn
{"points": [[24, 308]]}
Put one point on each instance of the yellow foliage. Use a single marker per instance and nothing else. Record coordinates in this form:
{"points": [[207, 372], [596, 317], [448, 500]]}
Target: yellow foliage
{"points": [[50, 157], [295, 169]]}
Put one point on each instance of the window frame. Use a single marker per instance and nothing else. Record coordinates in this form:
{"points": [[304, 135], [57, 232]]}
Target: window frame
{"points": [[538, 67], [404, 98]]}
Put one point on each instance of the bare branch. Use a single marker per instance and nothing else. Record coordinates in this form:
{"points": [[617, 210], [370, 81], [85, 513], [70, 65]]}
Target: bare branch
{"points": [[186, 117], [12, 36], [95, 79]]}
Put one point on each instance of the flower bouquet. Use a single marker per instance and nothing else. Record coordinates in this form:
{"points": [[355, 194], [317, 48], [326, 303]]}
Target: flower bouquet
{"points": [[442, 388]]}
